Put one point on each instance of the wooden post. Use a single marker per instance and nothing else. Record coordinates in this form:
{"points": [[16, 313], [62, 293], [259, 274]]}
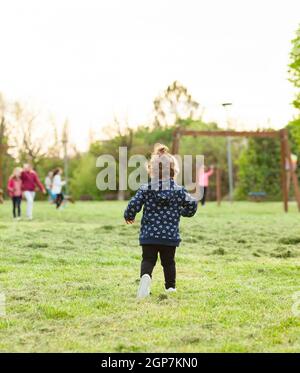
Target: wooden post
{"points": [[218, 186], [292, 171], [283, 172], [176, 139]]}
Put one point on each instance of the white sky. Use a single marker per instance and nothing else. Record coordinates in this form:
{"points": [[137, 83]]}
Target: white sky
{"points": [[88, 60]]}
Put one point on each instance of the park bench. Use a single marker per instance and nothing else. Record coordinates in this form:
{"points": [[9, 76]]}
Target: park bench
{"points": [[257, 196]]}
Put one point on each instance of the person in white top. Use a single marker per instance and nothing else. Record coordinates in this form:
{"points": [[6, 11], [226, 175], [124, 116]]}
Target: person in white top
{"points": [[48, 185], [57, 184]]}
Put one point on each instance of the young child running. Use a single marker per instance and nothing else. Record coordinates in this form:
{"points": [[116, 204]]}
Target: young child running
{"points": [[14, 187], [57, 185], [164, 203]]}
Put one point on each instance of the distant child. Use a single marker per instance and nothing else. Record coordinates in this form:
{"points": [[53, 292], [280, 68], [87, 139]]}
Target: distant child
{"points": [[57, 185], [204, 175], [14, 187], [48, 185], [164, 203]]}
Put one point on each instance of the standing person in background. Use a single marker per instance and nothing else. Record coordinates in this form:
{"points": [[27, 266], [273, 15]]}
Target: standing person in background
{"points": [[14, 187], [289, 170], [48, 185], [204, 176], [30, 181], [57, 185]]}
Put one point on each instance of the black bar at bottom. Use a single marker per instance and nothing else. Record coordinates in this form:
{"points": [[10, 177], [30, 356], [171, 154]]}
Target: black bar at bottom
{"points": [[134, 361]]}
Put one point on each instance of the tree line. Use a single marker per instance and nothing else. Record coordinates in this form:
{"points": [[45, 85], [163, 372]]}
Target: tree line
{"points": [[256, 160]]}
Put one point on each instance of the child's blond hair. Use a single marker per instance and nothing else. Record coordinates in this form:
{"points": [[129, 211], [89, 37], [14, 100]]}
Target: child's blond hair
{"points": [[17, 170], [162, 164]]}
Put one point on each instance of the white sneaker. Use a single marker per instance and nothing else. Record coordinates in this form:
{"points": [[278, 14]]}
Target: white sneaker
{"points": [[171, 290], [144, 287]]}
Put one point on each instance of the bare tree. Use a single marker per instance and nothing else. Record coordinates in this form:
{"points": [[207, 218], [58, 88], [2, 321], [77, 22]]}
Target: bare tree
{"points": [[3, 148], [3, 140], [65, 142], [29, 144], [55, 148], [173, 104], [121, 136]]}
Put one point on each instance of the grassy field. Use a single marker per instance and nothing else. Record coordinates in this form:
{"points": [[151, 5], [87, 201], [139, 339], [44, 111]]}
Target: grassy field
{"points": [[70, 280]]}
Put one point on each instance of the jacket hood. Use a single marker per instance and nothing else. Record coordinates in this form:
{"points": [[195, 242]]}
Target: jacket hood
{"points": [[163, 191]]}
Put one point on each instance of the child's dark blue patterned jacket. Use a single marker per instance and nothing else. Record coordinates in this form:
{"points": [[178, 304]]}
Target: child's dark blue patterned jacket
{"points": [[164, 203]]}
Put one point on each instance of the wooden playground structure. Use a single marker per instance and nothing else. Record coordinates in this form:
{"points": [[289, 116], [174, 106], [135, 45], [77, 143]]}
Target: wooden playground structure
{"points": [[285, 152]]}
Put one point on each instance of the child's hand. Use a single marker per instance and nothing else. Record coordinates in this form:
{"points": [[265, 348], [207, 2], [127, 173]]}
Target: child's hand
{"points": [[129, 221]]}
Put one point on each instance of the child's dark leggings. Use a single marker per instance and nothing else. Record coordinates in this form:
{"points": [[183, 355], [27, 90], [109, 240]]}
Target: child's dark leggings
{"points": [[204, 196], [59, 199], [167, 258], [16, 206]]}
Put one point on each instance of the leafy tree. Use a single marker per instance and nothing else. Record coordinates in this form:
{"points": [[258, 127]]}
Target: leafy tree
{"points": [[294, 71], [294, 135], [259, 168], [83, 181], [294, 67], [294, 139]]}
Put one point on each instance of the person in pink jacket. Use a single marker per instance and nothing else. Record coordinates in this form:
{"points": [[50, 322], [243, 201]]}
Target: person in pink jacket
{"points": [[14, 187], [30, 181], [204, 176]]}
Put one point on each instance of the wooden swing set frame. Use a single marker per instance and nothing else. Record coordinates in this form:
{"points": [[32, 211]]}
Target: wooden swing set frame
{"points": [[285, 153]]}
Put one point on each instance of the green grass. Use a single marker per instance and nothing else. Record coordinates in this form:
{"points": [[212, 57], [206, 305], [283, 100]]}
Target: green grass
{"points": [[70, 280]]}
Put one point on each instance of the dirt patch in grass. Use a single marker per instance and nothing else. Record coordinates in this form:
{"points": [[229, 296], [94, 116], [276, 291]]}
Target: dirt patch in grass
{"points": [[37, 245], [284, 254], [219, 251], [289, 240]]}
